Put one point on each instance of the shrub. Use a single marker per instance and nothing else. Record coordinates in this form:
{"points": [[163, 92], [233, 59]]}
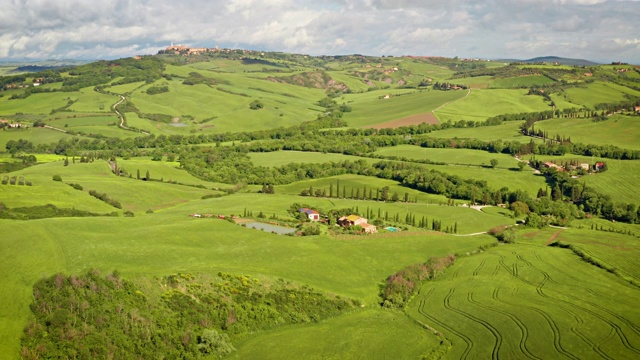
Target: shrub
{"points": [[256, 105], [57, 178]]}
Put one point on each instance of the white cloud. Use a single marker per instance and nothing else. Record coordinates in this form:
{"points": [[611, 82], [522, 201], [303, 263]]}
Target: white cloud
{"points": [[494, 28]]}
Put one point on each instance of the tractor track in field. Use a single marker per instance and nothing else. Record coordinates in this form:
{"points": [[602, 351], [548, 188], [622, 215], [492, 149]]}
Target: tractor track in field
{"points": [[594, 346], [556, 334], [552, 325], [621, 335], [496, 334], [477, 270], [619, 331], [468, 342], [523, 328]]}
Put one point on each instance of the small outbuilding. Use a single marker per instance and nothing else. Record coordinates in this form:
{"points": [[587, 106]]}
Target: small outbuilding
{"points": [[311, 214]]}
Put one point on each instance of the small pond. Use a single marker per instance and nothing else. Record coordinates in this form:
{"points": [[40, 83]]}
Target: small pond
{"points": [[270, 228], [177, 124], [392, 229]]}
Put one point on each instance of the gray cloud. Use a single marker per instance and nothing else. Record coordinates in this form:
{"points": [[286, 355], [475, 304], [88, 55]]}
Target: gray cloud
{"points": [[601, 30]]}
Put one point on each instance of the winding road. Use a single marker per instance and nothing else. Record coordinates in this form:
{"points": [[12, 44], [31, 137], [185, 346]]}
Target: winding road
{"points": [[122, 125]]}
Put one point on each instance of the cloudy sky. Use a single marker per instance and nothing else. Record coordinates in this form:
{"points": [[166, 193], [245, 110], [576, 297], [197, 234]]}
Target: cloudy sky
{"points": [[599, 30]]}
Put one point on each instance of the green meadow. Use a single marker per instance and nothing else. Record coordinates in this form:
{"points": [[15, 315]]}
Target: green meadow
{"points": [[170, 241], [360, 335], [37, 136], [530, 301], [485, 103], [619, 181], [508, 131], [358, 182], [450, 156], [280, 158], [372, 109], [619, 130], [554, 293], [597, 93]]}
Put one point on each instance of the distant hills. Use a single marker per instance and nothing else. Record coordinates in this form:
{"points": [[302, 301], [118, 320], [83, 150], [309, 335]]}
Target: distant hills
{"points": [[553, 59]]}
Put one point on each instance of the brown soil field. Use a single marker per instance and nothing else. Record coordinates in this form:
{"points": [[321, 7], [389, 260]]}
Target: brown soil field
{"points": [[418, 119]]}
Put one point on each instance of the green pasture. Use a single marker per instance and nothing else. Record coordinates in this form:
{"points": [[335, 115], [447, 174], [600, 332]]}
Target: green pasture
{"points": [[41, 103], [237, 66], [520, 81], [530, 301], [281, 158], [354, 83], [492, 82], [484, 103], [37, 136], [616, 251], [168, 171], [372, 109], [125, 88], [450, 156], [496, 178], [134, 195], [225, 109], [619, 130], [88, 121], [153, 127], [426, 70], [469, 220], [619, 181], [508, 131], [371, 334], [359, 182], [170, 241], [476, 82], [89, 100], [597, 93]]}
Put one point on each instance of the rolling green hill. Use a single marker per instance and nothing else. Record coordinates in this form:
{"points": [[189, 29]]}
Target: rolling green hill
{"points": [[211, 148]]}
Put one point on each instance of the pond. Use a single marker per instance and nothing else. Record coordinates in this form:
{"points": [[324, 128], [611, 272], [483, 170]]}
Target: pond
{"points": [[392, 229], [177, 124], [281, 230]]}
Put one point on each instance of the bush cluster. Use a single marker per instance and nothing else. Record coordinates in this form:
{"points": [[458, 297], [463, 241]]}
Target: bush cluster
{"points": [[180, 316]]}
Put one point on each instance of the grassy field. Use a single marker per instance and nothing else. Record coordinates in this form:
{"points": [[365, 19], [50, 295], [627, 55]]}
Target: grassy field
{"points": [[360, 335], [531, 301], [280, 158], [134, 195], [509, 131], [520, 81], [170, 241], [597, 93], [37, 136], [450, 156], [226, 106], [619, 181], [371, 108], [616, 251], [619, 130], [36, 103], [496, 178], [482, 104], [360, 182]]}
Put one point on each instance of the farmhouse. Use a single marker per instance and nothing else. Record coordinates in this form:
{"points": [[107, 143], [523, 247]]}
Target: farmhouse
{"points": [[311, 214], [636, 109], [353, 220]]}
